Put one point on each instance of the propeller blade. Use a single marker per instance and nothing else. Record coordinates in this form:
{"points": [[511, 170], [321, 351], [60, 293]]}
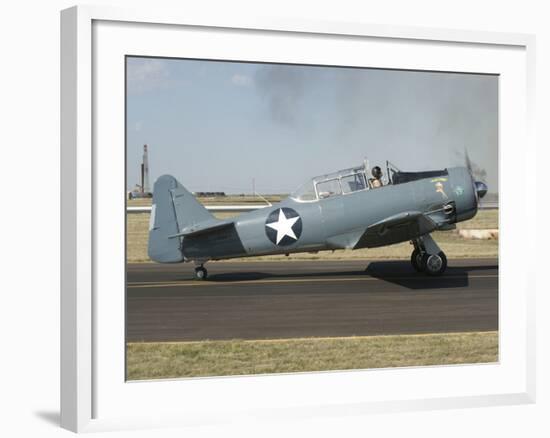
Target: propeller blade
{"points": [[468, 162]]}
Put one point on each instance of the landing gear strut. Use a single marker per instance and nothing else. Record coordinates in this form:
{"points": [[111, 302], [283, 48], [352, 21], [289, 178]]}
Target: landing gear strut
{"points": [[427, 256], [200, 273]]}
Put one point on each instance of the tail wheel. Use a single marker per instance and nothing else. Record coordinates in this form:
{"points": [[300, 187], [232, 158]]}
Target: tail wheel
{"points": [[201, 273], [434, 264], [416, 260]]}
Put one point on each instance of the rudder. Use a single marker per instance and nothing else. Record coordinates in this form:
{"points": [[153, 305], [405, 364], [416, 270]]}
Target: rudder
{"points": [[174, 209]]}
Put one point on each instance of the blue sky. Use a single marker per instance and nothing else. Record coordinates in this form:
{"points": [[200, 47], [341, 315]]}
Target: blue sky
{"points": [[217, 125]]}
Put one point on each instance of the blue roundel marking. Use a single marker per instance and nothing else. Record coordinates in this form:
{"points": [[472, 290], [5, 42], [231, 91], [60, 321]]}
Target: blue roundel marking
{"points": [[283, 226]]}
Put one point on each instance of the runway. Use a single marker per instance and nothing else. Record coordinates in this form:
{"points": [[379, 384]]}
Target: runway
{"points": [[271, 300]]}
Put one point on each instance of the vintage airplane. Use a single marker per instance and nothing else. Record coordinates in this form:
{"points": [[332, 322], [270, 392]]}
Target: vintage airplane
{"points": [[342, 210]]}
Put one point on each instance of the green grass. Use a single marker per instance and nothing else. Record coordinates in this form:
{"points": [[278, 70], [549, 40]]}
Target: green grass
{"points": [[239, 357], [453, 245]]}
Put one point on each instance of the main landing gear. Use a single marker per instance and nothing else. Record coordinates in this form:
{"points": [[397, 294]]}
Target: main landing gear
{"points": [[427, 256], [200, 273]]}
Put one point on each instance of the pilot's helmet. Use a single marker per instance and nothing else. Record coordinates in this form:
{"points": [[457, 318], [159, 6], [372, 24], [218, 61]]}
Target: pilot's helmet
{"points": [[377, 172]]}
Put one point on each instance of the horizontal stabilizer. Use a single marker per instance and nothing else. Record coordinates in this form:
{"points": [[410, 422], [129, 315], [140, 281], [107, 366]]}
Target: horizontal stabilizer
{"points": [[203, 227]]}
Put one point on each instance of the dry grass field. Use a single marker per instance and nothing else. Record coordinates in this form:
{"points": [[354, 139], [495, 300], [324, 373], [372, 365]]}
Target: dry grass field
{"points": [[483, 220], [238, 357], [225, 200], [453, 245]]}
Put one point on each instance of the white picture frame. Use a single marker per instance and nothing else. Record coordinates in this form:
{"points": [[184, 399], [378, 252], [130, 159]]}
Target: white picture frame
{"points": [[94, 395]]}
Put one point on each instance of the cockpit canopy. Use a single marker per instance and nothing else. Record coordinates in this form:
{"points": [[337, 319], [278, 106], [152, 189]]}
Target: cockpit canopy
{"points": [[324, 186], [355, 179]]}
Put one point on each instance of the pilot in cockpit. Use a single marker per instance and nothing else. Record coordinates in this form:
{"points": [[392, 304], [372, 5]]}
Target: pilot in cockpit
{"points": [[377, 174]]}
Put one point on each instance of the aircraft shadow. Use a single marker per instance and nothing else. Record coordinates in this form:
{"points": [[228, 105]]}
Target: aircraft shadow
{"points": [[403, 274], [251, 276], [399, 272]]}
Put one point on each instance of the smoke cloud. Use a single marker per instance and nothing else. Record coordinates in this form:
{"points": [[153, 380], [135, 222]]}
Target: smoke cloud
{"points": [[419, 120], [282, 87]]}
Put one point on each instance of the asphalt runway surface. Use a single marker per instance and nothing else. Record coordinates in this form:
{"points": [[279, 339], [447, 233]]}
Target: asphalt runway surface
{"points": [[296, 299]]}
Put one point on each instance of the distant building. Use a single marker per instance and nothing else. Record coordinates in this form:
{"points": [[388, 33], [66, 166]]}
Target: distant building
{"points": [[142, 190]]}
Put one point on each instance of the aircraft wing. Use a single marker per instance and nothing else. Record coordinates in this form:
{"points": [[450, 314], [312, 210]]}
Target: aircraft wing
{"points": [[394, 229], [203, 228]]}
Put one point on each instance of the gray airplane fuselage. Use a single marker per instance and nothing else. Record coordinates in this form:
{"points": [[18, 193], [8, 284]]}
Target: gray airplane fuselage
{"points": [[352, 220]]}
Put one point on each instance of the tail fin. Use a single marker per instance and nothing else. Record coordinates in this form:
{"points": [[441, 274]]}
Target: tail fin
{"points": [[173, 210]]}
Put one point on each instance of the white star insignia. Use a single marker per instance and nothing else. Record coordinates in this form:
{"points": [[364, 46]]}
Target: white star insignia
{"points": [[283, 226]]}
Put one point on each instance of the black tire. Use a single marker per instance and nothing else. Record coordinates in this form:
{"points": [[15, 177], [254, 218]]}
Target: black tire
{"points": [[434, 264], [416, 260], [201, 273]]}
